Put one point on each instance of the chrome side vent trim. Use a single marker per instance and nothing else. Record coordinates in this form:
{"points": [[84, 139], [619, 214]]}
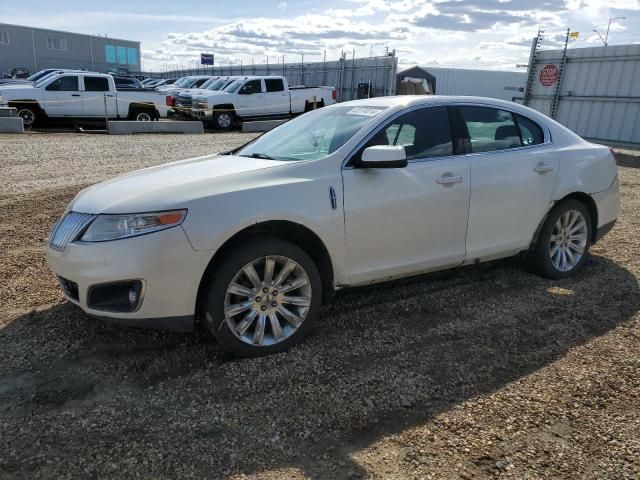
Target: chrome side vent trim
{"points": [[68, 229], [333, 198]]}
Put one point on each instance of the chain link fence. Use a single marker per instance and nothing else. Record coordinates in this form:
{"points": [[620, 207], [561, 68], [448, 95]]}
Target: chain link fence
{"points": [[353, 78]]}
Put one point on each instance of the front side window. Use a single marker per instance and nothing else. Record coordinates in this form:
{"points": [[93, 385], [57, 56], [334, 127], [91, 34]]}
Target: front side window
{"points": [[96, 84], [313, 135], [274, 84], [491, 129], [56, 43], [424, 133], [252, 86], [64, 84]]}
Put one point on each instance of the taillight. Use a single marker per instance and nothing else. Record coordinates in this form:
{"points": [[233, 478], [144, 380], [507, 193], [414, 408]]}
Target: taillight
{"points": [[334, 94], [169, 100]]}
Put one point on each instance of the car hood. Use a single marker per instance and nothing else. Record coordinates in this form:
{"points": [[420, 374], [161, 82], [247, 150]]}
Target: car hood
{"points": [[173, 185]]}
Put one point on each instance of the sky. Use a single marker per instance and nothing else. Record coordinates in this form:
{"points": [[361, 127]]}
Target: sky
{"points": [[494, 34]]}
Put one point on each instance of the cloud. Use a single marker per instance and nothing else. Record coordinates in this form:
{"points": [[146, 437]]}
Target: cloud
{"points": [[496, 32]]}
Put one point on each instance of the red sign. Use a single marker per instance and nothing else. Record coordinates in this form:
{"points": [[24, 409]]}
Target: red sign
{"points": [[549, 75]]}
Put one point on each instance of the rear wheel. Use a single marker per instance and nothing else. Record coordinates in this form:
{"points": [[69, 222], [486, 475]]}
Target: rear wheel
{"points": [[263, 298], [563, 245], [142, 115]]}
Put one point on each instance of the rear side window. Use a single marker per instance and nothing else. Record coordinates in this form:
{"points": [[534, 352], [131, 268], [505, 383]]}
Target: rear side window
{"points": [[424, 133], [274, 85], [530, 131], [491, 129], [96, 84], [64, 84]]}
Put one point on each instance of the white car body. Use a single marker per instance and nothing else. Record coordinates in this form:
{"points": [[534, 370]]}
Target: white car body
{"points": [[81, 101], [262, 102], [374, 224]]}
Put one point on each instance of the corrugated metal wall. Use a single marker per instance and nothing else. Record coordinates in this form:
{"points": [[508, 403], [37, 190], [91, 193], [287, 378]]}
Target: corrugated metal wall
{"points": [[599, 92], [481, 83], [344, 74]]}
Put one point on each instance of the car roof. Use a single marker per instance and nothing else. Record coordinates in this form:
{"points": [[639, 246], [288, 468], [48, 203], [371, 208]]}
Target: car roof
{"points": [[399, 102]]}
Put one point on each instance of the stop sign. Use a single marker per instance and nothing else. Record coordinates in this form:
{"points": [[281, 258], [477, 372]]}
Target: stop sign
{"points": [[549, 75]]}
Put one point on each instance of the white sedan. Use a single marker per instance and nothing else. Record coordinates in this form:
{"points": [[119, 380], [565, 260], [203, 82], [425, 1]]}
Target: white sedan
{"points": [[252, 241]]}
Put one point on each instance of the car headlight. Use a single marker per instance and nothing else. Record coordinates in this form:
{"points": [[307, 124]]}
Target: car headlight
{"points": [[113, 227]]}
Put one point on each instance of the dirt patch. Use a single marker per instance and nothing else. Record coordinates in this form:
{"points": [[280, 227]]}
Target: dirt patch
{"points": [[478, 372]]}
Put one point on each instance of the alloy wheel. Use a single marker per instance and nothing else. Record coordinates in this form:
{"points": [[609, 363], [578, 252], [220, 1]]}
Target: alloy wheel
{"points": [[267, 300], [143, 117], [28, 117], [224, 120], [568, 240]]}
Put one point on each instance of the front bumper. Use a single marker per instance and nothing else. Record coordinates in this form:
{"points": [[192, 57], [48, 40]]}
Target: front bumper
{"points": [[170, 269]]}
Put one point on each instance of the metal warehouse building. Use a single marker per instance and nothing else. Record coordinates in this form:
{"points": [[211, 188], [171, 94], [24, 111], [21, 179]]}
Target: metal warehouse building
{"points": [[37, 48], [500, 84], [593, 91]]}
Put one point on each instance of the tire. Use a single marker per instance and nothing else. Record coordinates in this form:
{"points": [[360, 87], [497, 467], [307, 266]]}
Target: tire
{"points": [[561, 252], [29, 115], [142, 115], [223, 120], [251, 331]]}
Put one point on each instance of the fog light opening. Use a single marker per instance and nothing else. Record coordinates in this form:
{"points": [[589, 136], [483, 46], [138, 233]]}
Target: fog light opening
{"points": [[133, 297]]}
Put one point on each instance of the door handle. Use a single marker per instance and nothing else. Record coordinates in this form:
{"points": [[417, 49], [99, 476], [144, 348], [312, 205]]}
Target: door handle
{"points": [[543, 168], [75, 94], [448, 179]]}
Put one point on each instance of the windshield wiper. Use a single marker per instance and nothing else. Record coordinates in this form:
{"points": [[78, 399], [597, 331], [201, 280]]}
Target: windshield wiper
{"points": [[264, 156]]}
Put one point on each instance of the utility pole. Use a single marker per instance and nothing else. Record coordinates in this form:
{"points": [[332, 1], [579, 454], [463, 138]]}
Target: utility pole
{"points": [[605, 39]]}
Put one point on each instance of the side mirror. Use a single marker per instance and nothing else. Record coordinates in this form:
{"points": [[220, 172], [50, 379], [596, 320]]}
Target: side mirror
{"points": [[383, 156]]}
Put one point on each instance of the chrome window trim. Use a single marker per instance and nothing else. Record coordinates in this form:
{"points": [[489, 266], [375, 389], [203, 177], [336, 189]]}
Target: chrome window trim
{"points": [[545, 130]]}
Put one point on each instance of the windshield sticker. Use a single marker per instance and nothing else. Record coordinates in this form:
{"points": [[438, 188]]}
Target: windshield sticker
{"points": [[364, 111]]}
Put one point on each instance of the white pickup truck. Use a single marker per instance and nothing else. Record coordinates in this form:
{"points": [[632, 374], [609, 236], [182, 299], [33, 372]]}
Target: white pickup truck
{"points": [[83, 95], [258, 97]]}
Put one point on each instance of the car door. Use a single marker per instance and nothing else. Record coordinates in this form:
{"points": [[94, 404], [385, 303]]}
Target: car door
{"points": [[513, 172], [276, 97], [63, 98], [251, 99], [400, 221], [97, 98]]}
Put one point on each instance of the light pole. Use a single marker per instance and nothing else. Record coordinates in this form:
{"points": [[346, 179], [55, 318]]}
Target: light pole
{"points": [[605, 40]]}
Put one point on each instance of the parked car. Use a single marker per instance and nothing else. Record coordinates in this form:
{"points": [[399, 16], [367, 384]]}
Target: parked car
{"points": [[254, 240], [149, 80], [83, 96], [182, 101], [191, 81], [258, 97], [162, 82], [127, 82]]}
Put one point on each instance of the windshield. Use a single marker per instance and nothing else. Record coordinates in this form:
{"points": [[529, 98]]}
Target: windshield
{"points": [[208, 83], [215, 85], [233, 86], [48, 76], [39, 75], [313, 135], [183, 82]]}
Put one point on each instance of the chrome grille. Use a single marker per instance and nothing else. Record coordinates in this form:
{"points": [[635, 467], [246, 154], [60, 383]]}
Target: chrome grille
{"points": [[68, 229]]}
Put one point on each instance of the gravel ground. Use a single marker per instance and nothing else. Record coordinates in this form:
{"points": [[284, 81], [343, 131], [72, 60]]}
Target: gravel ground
{"points": [[481, 372]]}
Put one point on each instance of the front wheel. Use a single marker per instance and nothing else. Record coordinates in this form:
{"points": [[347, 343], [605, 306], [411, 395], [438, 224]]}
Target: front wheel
{"points": [[222, 120], [263, 298], [28, 114], [563, 245]]}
